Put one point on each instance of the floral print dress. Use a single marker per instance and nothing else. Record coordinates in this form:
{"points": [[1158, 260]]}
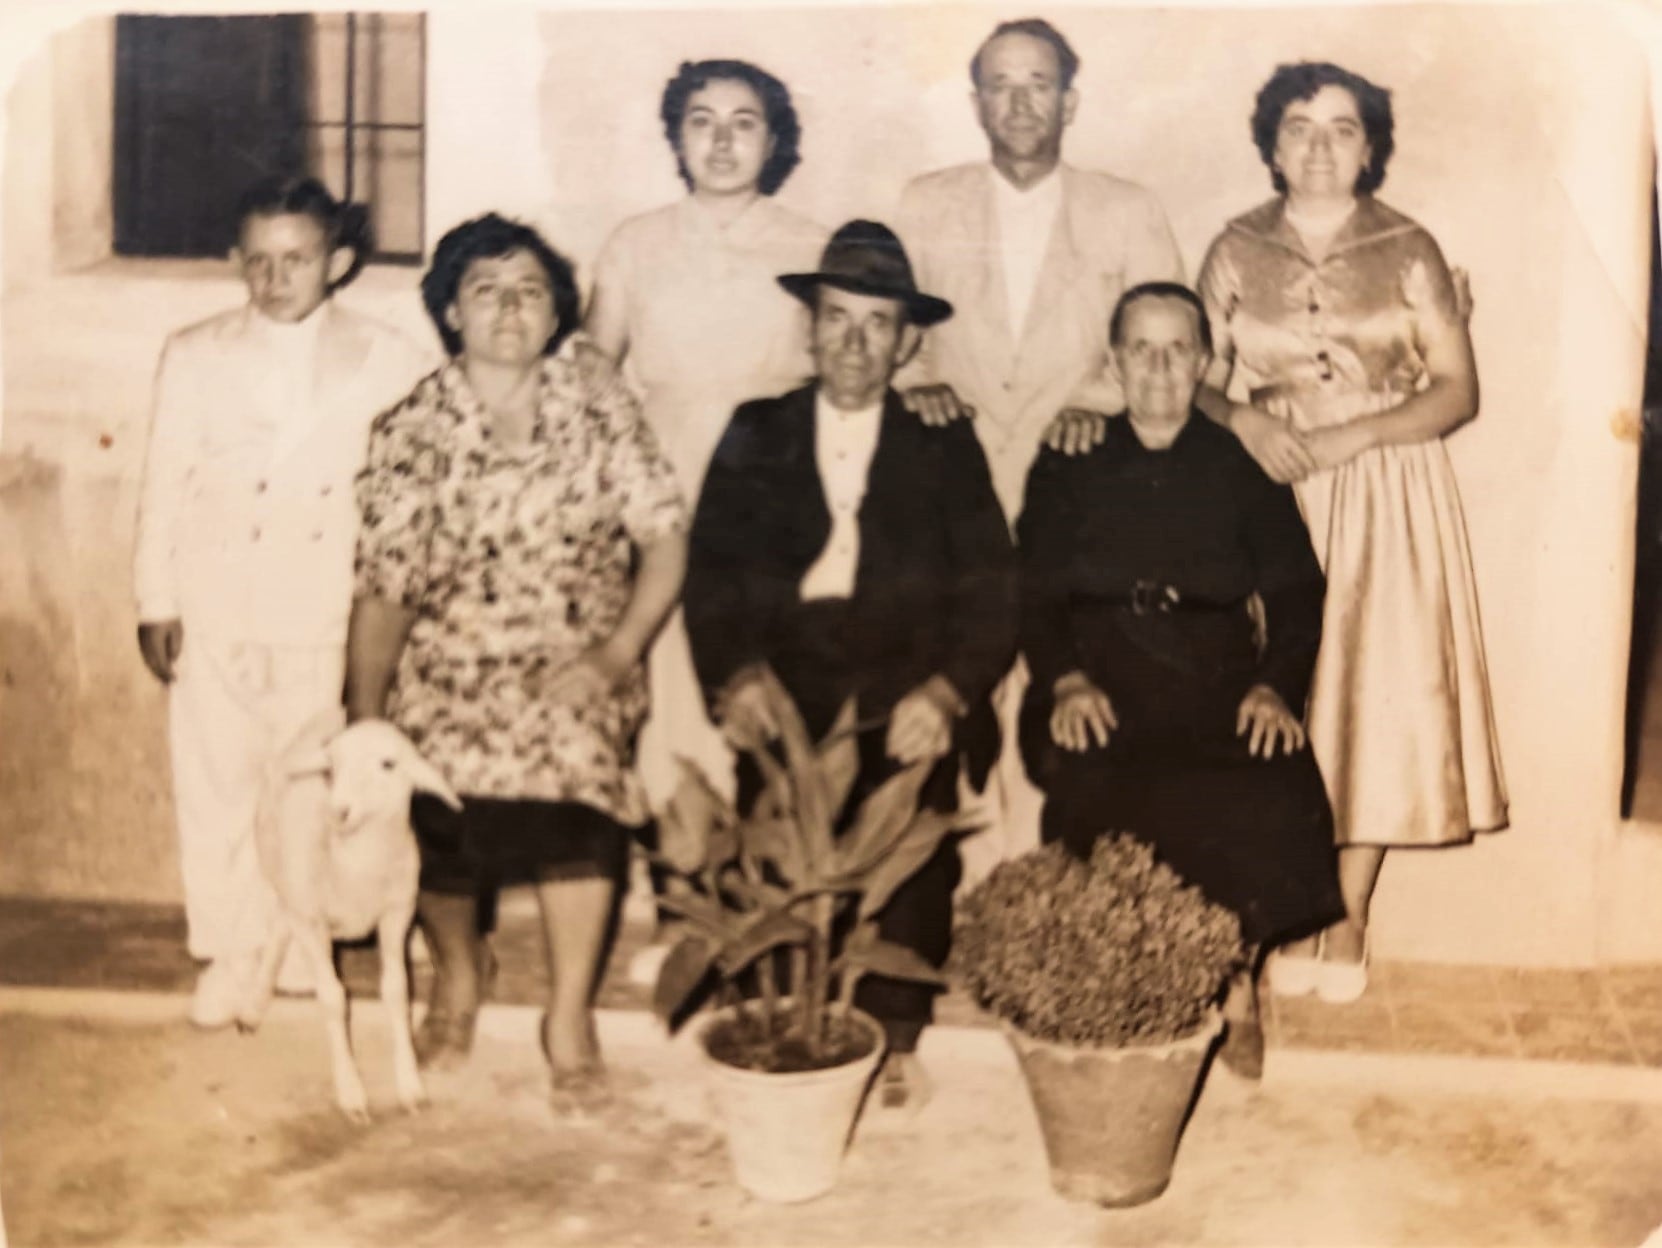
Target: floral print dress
{"points": [[516, 561]]}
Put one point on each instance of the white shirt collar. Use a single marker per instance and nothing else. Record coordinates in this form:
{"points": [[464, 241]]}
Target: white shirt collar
{"points": [[825, 411], [297, 338], [1043, 196]]}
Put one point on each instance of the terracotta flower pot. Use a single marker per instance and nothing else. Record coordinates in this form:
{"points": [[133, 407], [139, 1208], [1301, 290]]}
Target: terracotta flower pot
{"points": [[1111, 1117], [786, 1133]]}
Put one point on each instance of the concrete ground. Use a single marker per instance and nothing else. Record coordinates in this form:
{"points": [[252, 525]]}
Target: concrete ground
{"points": [[119, 1124]]}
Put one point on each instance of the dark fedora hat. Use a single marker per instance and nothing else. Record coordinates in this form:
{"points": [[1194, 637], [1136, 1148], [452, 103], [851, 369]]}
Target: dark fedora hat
{"points": [[866, 258]]}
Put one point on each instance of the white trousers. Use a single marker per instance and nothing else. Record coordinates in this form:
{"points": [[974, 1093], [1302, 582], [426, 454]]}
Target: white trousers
{"points": [[232, 709]]}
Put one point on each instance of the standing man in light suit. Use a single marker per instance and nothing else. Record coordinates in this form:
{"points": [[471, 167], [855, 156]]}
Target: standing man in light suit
{"points": [[1033, 253], [246, 530]]}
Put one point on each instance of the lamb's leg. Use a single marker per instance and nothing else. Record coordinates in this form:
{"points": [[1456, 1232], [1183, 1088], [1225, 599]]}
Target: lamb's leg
{"points": [[257, 992], [391, 934], [315, 943]]}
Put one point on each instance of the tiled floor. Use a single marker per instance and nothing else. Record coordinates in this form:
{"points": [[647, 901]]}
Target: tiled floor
{"points": [[1610, 1016]]}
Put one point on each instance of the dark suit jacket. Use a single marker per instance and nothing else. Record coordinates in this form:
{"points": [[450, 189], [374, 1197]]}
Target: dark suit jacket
{"points": [[935, 585]]}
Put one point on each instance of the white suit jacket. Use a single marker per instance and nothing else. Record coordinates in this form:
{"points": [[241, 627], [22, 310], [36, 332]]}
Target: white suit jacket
{"points": [[1109, 234], [247, 520]]}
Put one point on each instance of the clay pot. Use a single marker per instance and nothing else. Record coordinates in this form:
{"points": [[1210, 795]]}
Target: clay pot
{"points": [[786, 1133], [1111, 1117]]}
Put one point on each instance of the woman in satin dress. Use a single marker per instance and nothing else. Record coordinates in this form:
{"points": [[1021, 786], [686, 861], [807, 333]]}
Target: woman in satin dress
{"points": [[1342, 363]]}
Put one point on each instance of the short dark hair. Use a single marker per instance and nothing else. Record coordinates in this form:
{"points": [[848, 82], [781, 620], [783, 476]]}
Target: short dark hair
{"points": [[777, 108], [1159, 290], [488, 238], [343, 224], [1067, 60], [1301, 81]]}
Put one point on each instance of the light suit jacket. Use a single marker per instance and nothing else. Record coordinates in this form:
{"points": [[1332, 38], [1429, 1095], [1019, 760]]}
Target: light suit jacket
{"points": [[247, 519], [1109, 234]]}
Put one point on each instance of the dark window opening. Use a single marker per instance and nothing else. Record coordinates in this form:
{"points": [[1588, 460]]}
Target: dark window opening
{"points": [[204, 106]]}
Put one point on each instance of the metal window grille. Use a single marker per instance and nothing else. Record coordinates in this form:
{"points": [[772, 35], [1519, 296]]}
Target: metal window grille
{"points": [[204, 106], [366, 132]]}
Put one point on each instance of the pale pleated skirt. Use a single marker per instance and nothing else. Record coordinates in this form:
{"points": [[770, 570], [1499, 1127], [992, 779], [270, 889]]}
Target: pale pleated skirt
{"points": [[1400, 717]]}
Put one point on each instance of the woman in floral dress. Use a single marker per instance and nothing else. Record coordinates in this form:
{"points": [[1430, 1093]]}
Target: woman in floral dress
{"points": [[523, 539], [1342, 362]]}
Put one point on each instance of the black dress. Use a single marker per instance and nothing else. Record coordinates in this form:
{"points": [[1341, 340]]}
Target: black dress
{"points": [[1106, 539]]}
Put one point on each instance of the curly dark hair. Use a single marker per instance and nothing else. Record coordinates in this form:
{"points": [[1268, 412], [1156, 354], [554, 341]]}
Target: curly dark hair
{"points": [[1301, 81], [1067, 60], [344, 224], [780, 113], [1159, 290], [488, 238]]}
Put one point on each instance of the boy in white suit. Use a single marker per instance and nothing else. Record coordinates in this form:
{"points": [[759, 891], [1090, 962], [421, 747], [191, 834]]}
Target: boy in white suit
{"points": [[246, 531]]}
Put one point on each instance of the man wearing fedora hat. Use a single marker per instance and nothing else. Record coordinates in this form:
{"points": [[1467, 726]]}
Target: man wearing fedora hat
{"points": [[858, 552]]}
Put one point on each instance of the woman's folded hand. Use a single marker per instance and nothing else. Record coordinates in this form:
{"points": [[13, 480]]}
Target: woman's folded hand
{"points": [[1266, 718], [592, 674], [1083, 715]]}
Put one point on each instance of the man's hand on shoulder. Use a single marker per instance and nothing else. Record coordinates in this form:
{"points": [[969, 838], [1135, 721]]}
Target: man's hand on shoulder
{"points": [[1076, 430], [936, 405]]}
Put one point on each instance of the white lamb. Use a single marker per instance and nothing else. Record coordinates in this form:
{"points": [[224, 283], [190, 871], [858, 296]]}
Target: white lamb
{"points": [[335, 844]]}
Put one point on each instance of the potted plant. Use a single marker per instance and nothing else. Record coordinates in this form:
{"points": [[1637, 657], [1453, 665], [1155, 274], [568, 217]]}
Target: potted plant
{"points": [[1105, 974], [784, 897]]}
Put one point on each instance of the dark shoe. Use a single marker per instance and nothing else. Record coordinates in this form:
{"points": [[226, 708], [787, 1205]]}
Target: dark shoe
{"points": [[445, 1038], [576, 1093], [902, 1083], [1242, 1050]]}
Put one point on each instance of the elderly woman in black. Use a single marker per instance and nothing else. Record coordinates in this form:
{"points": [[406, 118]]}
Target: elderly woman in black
{"points": [[522, 541], [1153, 709]]}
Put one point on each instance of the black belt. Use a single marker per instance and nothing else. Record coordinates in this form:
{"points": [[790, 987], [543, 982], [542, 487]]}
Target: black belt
{"points": [[1158, 598]]}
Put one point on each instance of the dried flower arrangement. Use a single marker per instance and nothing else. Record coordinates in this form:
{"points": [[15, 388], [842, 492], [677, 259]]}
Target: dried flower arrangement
{"points": [[1116, 950]]}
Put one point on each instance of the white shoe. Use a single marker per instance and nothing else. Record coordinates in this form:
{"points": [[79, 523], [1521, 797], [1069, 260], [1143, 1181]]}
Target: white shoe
{"points": [[294, 976], [218, 995], [420, 954], [1292, 975], [647, 962], [1340, 983]]}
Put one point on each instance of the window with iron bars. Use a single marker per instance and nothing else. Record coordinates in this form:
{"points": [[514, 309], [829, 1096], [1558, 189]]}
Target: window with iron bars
{"points": [[207, 105]]}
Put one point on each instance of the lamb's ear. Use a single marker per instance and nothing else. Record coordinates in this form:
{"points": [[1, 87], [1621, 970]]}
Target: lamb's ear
{"points": [[426, 777]]}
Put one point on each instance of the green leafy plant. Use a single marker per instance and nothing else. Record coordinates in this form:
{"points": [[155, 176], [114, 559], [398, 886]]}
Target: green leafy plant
{"points": [[789, 896], [1110, 951]]}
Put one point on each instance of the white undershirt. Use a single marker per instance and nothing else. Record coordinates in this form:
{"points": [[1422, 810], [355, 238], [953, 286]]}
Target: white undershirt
{"points": [[1025, 221], [290, 359], [844, 443]]}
